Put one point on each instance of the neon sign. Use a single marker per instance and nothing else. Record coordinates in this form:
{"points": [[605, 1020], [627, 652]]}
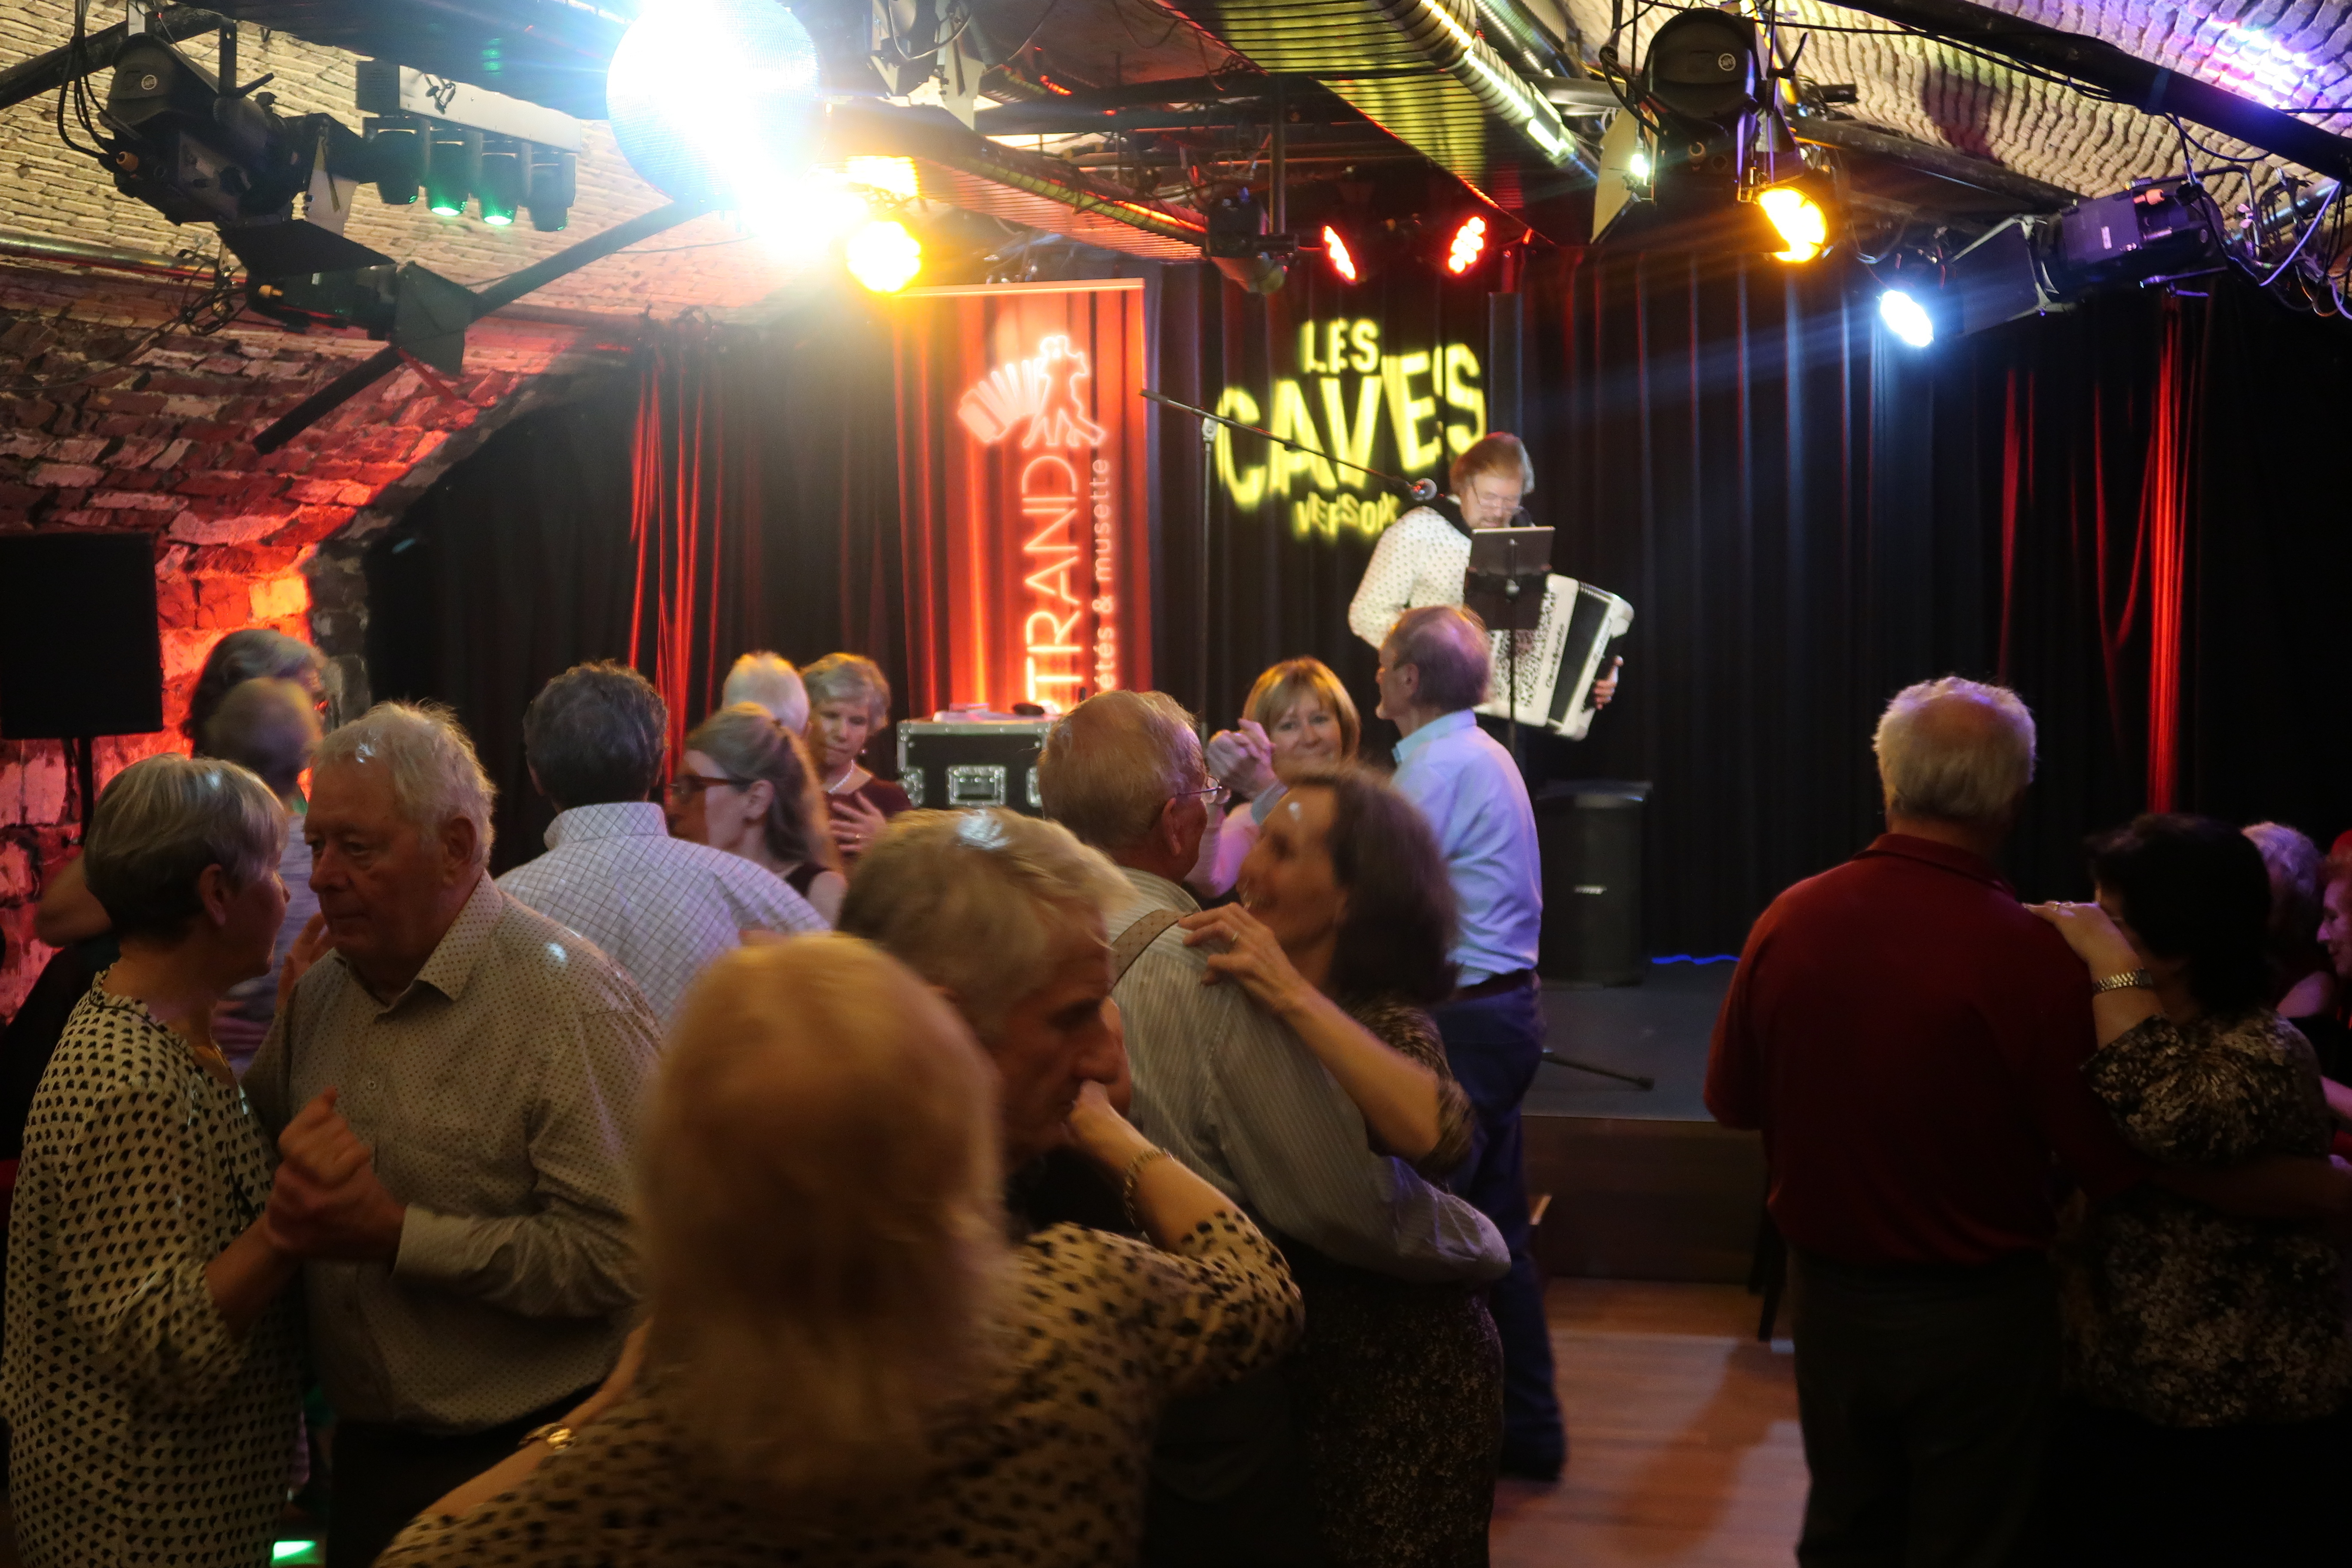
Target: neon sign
{"points": [[1347, 389], [1043, 397]]}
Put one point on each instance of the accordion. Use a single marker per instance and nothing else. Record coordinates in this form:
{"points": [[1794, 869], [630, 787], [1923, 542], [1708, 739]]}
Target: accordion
{"points": [[1559, 660]]}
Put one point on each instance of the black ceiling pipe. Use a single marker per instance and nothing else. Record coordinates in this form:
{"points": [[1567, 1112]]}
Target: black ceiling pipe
{"points": [[2151, 88]]}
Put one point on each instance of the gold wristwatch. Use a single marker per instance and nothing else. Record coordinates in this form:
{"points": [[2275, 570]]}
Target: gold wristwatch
{"points": [[2129, 980], [555, 1435]]}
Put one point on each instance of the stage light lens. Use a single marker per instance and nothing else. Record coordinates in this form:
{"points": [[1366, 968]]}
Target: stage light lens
{"points": [[1906, 318], [1638, 166], [1800, 221], [1335, 250], [717, 100], [1469, 244], [883, 256]]}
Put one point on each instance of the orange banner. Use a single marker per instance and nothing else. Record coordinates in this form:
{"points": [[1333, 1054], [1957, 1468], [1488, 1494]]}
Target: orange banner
{"points": [[1025, 488]]}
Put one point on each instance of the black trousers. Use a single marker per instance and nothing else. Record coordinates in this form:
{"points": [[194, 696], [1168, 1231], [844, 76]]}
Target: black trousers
{"points": [[1493, 1044], [385, 1476], [1929, 1398]]}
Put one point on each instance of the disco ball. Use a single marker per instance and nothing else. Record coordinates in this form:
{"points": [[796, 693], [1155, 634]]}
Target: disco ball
{"points": [[718, 101]]}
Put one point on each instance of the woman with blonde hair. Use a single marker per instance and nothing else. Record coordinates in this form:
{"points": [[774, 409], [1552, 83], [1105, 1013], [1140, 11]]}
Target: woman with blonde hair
{"points": [[849, 704], [745, 784], [1297, 716], [846, 1361]]}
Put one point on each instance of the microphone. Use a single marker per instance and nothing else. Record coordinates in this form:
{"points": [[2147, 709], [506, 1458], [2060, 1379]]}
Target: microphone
{"points": [[1424, 490]]}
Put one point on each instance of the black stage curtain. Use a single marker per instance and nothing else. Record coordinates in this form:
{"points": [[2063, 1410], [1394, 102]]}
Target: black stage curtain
{"points": [[738, 491], [2122, 510]]}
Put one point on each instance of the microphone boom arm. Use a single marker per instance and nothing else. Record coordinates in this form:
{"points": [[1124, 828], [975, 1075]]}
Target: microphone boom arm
{"points": [[1412, 489]]}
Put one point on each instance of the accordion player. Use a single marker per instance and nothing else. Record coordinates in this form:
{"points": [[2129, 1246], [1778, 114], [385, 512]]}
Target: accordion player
{"points": [[1561, 659]]}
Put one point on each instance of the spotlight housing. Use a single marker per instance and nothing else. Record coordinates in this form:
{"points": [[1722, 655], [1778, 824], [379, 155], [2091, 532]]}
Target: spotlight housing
{"points": [[1800, 210], [1342, 259], [1906, 318], [552, 189], [498, 188], [1704, 83], [1467, 246], [883, 256], [452, 168], [398, 148]]}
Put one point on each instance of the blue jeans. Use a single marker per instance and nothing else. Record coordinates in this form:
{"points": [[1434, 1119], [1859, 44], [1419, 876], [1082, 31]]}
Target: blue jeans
{"points": [[1493, 1044]]}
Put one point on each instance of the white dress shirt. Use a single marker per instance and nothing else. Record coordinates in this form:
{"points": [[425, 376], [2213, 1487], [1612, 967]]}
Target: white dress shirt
{"points": [[1467, 786], [661, 907], [1227, 1089]]}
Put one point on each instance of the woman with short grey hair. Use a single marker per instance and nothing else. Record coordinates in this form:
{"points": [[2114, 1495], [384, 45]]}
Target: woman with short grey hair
{"points": [[151, 1373]]}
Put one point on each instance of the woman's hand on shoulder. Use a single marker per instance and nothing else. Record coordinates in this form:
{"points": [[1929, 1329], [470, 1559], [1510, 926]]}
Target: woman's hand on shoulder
{"points": [[1252, 958], [2104, 948]]}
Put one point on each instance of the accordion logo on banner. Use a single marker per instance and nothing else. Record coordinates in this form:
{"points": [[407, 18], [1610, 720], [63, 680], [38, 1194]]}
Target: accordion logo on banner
{"points": [[1025, 492]]}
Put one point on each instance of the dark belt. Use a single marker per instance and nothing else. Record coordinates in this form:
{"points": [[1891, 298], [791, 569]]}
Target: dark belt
{"points": [[1496, 985]]}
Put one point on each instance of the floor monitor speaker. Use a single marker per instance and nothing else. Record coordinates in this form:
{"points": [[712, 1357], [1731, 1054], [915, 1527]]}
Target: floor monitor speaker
{"points": [[1589, 834], [79, 652]]}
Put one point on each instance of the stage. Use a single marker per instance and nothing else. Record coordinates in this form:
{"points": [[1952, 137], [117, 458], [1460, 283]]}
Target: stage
{"points": [[1642, 1184]]}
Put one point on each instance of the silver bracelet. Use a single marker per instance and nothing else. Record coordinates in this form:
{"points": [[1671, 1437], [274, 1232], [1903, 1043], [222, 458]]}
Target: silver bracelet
{"points": [[1132, 1177]]}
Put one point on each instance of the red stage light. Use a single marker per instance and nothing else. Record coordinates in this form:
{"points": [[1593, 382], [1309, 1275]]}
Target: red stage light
{"points": [[1335, 250], [1469, 245]]}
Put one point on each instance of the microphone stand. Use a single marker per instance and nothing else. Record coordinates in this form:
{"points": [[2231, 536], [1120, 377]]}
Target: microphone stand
{"points": [[1415, 490]]}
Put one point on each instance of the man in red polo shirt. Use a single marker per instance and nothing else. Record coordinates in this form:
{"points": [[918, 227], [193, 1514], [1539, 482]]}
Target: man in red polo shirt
{"points": [[1908, 1040]]}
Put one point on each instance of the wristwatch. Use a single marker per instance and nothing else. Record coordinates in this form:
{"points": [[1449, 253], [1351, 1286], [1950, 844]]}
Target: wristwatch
{"points": [[2127, 980]]}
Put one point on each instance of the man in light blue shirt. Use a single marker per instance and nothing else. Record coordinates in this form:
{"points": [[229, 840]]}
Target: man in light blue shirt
{"points": [[1435, 666]]}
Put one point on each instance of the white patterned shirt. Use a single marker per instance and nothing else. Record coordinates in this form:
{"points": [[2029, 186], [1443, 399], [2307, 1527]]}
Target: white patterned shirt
{"points": [[661, 907], [1418, 561], [142, 1430], [500, 1093]]}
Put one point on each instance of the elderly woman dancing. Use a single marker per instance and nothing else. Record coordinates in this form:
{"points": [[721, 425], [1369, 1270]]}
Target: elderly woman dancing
{"points": [[152, 1371], [848, 1363]]}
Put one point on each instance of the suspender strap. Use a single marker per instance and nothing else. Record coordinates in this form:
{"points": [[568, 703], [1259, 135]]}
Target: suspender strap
{"points": [[1136, 938]]}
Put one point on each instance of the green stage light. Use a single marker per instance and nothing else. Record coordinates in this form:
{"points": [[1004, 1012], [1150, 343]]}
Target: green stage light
{"points": [[453, 170], [498, 190]]}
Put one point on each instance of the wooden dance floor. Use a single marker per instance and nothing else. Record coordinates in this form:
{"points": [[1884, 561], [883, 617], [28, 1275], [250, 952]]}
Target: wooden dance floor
{"points": [[1682, 1430]]}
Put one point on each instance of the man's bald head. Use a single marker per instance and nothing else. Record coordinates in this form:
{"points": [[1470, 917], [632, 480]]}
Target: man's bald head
{"points": [[1955, 750]]}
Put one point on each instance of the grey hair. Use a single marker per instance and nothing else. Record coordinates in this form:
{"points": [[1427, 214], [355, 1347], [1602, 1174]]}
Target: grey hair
{"points": [[768, 681], [934, 881], [1450, 647], [1955, 750], [160, 822], [849, 677], [2293, 861], [1496, 452], [1111, 764], [434, 773], [594, 735], [268, 726]]}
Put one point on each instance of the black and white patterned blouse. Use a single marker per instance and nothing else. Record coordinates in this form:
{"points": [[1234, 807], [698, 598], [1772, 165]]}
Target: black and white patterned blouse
{"points": [[2180, 1314], [1048, 1472], [143, 1431]]}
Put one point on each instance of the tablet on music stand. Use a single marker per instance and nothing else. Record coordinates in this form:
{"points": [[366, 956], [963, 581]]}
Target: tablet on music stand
{"points": [[1504, 583]]}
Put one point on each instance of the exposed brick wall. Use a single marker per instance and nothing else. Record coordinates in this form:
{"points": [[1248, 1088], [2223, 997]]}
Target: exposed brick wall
{"points": [[49, 191], [163, 445]]}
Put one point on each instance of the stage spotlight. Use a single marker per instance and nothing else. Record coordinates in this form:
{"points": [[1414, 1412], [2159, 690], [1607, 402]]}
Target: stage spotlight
{"points": [[1638, 166], [1469, 244], [1336, 251], [1703, 84], [399, 154], [498, 191], [1906, 318], [883, 256], [1800, 220], [451, 169], [554, 184], [717, 100]]}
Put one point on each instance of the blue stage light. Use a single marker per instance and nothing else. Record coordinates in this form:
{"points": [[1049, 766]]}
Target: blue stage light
{"points": [[1906, 318], [717, 101]]}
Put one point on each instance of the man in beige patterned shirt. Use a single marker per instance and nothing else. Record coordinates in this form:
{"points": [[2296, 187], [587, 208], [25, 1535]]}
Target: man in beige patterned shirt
{"points": [[470, 1185]]}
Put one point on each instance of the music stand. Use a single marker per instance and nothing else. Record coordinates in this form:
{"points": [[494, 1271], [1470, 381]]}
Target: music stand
{"points": [[1504, 586]]}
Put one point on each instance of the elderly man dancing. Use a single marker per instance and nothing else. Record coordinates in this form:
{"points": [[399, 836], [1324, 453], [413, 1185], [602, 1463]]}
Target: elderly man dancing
{"points": [[463, 1181]]}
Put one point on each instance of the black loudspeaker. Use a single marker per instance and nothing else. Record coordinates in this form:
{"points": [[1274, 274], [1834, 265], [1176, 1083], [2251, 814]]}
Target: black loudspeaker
{"points": [[79, 652], [1589, 833]]}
